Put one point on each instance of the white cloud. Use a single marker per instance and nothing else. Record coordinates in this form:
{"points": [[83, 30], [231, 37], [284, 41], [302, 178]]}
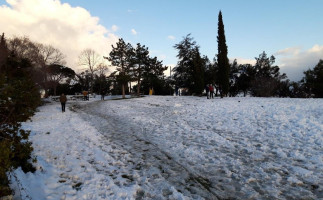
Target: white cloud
{"points": [[288, 51], [114, 28], [134, 32], [294, 61], [171, 37], [244, 61], [70, 29]]}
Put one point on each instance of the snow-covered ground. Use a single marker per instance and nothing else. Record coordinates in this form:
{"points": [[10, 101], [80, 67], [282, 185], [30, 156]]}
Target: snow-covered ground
{"points": [[177, 148]]}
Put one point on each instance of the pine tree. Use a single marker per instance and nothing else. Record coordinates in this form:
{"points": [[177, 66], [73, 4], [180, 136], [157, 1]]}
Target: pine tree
{"points": [[140, 62], [267, 77], [198, 73], [153, 76], [182, 71], [313, 80], [3, 52], [189, 71], [121, 57], [223, 61]]}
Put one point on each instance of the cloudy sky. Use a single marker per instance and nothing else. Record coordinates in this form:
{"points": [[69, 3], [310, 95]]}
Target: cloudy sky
{"points": [[291, 30]]}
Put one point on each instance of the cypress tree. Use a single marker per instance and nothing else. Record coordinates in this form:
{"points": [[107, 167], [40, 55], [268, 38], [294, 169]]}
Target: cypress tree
{"points": [[223, 61]]}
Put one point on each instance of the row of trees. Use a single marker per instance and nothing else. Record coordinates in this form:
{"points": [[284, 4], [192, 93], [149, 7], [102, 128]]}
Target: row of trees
{"points": [[263, 79], [193, 70], [135, 65], [131, 65]]}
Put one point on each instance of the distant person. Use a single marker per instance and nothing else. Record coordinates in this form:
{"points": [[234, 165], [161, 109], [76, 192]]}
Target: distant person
{"points": [[207, 90], [102, 95], [63, 100], [84, 95], [176, 91], [211, 88]]}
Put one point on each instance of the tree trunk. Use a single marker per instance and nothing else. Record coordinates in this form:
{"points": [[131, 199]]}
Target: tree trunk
{"points": [[123, 91], [130, 87], [55, 90], [138, 88]]}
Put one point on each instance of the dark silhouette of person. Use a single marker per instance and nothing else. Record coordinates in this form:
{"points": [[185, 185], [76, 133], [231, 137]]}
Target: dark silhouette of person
{"points": [[207, 90], [63, 100]]}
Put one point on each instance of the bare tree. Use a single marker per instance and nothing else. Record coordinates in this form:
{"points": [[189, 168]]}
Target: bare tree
{"points": [[90, 59], [23, 47], [102, 69], [47, 56], [50, 55]]}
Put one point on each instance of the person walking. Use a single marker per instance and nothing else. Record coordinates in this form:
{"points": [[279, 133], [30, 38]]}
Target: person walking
{"points": [[211, 88], [207, 90], [63, 100], [102, 95]]}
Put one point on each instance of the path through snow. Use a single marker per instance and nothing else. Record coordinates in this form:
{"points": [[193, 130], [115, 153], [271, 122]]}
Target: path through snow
{"points": [[178, 148]]}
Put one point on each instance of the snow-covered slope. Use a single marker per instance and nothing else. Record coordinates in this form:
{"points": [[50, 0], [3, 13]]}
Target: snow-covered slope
{"points": [[178, 148]]}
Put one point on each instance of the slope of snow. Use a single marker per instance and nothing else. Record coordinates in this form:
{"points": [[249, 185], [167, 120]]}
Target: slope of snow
{"points": [[177, 148]]}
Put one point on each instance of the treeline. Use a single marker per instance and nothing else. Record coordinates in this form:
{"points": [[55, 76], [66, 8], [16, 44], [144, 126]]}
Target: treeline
{"points": [[263, 79], [134, 65], [132, 71]]}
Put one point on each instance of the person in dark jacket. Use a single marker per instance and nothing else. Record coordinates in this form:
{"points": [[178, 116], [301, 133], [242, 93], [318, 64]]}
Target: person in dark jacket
{"points": [[207, 90], [102, 94], [63, 100]]}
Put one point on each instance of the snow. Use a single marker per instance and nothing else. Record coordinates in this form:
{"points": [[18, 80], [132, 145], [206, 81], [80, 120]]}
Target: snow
{"points": [[168, 147]]}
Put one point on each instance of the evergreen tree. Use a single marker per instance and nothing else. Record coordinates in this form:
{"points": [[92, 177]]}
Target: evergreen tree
{"points": [[121, 57], [83, 80], [3, 52], [182, 71], [246, 76], [189, 71], [313, 80], [19, 98], [209, 71], [140, 62], [57, 73], [198, 73], [267, 77], [153, 77], [234, 76], [223, 61]]}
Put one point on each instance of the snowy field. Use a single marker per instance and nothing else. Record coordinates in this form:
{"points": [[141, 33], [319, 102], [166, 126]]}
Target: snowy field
{"points": [[177, 148]]}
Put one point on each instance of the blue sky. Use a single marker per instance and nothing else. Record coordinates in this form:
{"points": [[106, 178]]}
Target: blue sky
{"points": [[251, 26], [288, 29]]}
